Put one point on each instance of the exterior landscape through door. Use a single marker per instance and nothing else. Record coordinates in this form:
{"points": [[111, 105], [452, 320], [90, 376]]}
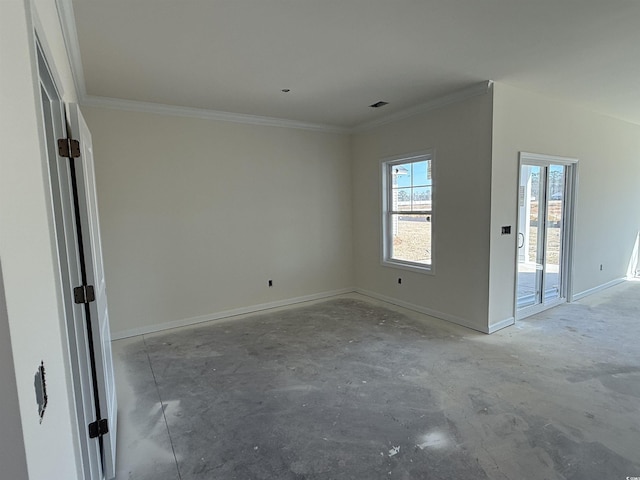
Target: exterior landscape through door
{"points": [[544, 226]]}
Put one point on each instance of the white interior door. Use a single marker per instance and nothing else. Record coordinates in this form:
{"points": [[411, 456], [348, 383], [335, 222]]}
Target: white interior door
{"points": [[87, 211]]}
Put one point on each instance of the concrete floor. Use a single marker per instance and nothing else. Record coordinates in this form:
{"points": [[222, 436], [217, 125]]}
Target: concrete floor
{"points": [[352, 388]]}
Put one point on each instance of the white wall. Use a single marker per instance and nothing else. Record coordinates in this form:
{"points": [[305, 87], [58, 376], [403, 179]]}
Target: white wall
{"points": [[607, 212], [197, 215], [27, 248], [12, 456], [461, 135]]}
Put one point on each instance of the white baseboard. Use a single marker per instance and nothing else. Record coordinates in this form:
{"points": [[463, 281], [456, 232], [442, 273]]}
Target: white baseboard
{"points": [[507, 322], [226, 314], [599, 288], [427, 311]]}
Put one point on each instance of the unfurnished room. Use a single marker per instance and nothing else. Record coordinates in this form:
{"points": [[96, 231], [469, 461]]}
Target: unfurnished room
{"points": [[278, 239]]}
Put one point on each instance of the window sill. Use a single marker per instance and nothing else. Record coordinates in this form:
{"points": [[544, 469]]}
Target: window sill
{"points": [[425, 270]]}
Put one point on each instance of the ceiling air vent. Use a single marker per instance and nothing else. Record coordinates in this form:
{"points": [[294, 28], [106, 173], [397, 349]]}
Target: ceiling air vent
{"points": [[379, 104]]}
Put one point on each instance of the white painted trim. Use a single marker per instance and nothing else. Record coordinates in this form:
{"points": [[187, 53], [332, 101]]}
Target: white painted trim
{"points": [[427, 311], [507, 322], [599, 288], [201, 113], [544, 159], [206, 114], [70, 34], [410, 267], [455, 97], [43, 41], [226, 314]]}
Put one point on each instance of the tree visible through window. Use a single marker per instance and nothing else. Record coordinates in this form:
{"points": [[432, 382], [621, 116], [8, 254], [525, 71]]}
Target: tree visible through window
{"points": [[408, 211]]}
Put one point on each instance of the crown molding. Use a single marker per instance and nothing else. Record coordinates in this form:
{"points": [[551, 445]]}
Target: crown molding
{"points": [[205, 114], [469, 92]]}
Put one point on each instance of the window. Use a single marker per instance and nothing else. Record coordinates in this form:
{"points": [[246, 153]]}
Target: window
{"points": [[408, 218]]}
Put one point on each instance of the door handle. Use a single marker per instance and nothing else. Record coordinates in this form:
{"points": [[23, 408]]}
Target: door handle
{"points": [[521, 237]]}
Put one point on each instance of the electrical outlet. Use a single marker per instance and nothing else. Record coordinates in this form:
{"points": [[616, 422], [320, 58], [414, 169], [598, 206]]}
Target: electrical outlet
{"points": [[399, 281], [271, 283], [600, 267]]}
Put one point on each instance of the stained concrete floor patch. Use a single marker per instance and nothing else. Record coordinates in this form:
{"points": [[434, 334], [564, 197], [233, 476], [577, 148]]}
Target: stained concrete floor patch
{"points": [[352, 388]]}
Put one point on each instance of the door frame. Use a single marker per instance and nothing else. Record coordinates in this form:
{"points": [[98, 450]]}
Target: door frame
{"points": [[54, 123], [567, 241]]}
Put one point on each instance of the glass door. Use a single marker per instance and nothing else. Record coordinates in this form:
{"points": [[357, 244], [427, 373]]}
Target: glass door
{"points": [[554, 232], [530, 244], [543, 191]]}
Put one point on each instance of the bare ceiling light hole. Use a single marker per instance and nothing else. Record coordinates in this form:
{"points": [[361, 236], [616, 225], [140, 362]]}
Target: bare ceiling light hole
{"points": [[379, 104]]}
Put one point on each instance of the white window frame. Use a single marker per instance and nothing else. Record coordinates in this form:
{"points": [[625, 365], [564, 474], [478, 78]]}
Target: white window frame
{"points": [[386, 224]]}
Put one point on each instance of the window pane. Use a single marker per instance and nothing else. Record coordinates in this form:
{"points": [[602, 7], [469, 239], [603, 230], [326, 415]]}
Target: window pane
{"points": [[411, 238], [401, 175], [422, 198], [421, 173], [401, 200]]}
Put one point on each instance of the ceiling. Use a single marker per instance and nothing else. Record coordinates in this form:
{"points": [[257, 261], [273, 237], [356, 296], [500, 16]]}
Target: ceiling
{"points": [[339, 56]]}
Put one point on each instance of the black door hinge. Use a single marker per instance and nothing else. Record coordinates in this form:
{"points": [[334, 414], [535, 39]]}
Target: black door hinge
{"points": [[98, 428], [84, 294], [68, 147]]}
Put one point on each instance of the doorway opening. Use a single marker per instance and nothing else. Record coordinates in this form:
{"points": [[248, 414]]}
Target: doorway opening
{"points": [[545, 223]]}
